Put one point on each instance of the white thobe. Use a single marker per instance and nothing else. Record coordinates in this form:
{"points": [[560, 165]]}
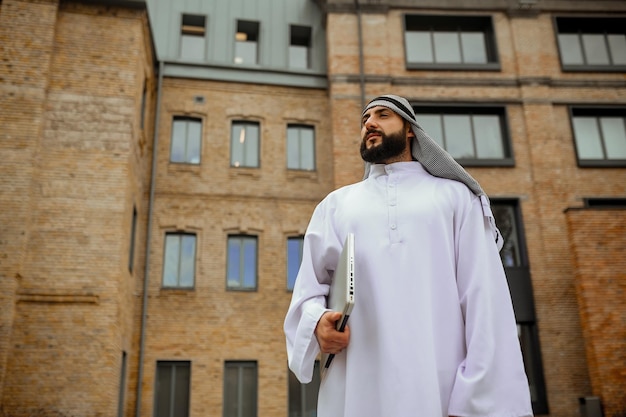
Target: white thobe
{"points": [[432, 332]]}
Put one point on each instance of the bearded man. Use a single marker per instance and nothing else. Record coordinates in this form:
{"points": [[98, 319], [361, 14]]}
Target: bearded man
{"points": [[432, 332]]}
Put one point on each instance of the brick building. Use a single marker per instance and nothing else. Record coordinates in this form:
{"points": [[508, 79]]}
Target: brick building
{"points": [[161, 160]]}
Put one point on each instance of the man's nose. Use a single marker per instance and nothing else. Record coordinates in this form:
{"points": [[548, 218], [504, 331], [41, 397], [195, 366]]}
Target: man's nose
{"points": [[370, 123]]}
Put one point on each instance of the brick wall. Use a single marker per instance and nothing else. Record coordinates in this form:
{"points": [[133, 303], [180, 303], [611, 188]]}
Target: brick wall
{"points": [[26, 32], [72, 98], [598, 242]]}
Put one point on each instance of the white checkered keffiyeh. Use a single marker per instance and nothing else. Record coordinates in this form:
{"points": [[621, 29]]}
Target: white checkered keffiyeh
{"points": [[435, 160]]}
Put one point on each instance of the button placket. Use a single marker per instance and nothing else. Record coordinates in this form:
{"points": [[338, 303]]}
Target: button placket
{"points": [[392, 199]]}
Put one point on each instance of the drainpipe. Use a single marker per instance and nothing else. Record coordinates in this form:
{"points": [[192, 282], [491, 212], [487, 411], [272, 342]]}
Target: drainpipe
{"points": [[144, 307], [361, 71]]}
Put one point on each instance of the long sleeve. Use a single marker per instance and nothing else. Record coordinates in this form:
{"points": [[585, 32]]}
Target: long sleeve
{"points": [[320, 253], [491, 381]]}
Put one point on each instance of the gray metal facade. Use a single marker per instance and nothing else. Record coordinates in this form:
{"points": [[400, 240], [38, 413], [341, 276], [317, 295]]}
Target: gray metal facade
{"points": [[221, 16]]}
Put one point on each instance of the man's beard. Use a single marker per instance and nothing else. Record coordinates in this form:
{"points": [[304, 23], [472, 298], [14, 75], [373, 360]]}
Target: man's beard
{"points": [[390, 146]]}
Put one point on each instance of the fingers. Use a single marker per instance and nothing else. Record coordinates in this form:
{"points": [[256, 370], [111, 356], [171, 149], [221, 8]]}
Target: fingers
{"points": [[329, 339]]}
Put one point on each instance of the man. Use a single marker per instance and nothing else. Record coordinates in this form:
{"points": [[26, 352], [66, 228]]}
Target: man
{"points": [[432, 332]]}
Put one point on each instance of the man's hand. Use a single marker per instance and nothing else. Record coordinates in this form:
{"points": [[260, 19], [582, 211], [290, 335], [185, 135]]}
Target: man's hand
{"points": [[329, 339]]}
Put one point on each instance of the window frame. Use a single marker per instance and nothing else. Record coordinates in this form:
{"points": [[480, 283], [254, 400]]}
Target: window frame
{"points": [[254, 30], [246, 122], [596, 112], [458, 23], [180, 234], [300, 127], [173, 364], [303, 32], [470, 110], [593, 24], [300, 240], [521, 291], [133, 240], [239, 365], [187, 120], [193, 31], [242, 261]]}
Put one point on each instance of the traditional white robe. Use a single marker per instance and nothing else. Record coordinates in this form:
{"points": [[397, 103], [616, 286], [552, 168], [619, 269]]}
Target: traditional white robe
{"points": [[432, 331]]}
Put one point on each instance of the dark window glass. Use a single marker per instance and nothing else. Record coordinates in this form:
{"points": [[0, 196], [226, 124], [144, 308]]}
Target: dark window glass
{"points": [[299, 47], [240, 389], [179, 262], [605, 202], [192, 37], [303, 397], [449, 41], [508, 219], [242, 262], [121, 397], [171, 398], [144, 99], [133, 237], [247, 42], [294, 259]]}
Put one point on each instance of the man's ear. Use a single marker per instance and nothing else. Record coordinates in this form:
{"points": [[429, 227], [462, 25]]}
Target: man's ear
{"points": [[409, 130]]}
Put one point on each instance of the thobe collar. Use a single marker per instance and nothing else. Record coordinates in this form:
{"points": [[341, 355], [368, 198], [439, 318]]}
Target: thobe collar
{"points": [[412, 167]]}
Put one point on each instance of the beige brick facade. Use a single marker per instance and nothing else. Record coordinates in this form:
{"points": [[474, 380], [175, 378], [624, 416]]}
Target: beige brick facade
{"points": [[598, 239], [76, 160]]}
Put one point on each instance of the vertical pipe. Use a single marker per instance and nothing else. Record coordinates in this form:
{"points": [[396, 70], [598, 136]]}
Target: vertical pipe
{"points": [[144, 306], [360, 35]]}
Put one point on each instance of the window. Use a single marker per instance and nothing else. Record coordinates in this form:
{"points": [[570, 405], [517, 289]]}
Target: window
{"points": [[448, 42], [133, 238], [294, 259], [242, 262], [247, 42], [180, 260], [244, 144], [600, 136], [171, 398], [121, 402], [192, 37], [592, 44], [186, 140], [299, 47], [474, 136], [240, 389], [303, 397], [300, 147], [144, 99], [513, 255], [506, 216]]}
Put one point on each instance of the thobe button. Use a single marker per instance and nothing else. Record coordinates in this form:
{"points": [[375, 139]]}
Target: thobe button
{"points": [[393, 227]]}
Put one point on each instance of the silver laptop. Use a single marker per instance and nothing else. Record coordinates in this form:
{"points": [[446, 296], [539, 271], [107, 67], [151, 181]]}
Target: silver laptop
{"points": [[341, 295]]}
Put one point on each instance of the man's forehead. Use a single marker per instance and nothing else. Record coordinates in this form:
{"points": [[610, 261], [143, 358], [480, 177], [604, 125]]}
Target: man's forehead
{"points": [[377, 109]]}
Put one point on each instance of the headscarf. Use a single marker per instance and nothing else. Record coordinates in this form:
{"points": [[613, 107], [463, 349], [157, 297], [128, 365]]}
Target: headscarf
{"points": [[433, 158]]}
